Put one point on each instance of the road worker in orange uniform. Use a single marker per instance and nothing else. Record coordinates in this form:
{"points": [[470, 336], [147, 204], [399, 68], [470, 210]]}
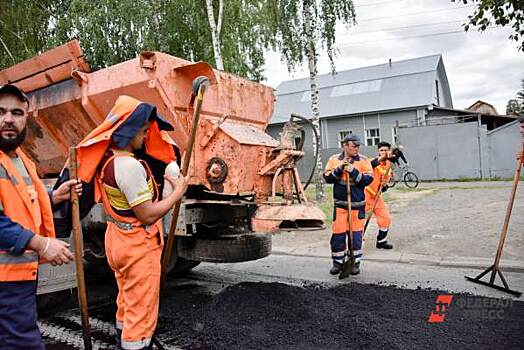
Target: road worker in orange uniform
{"points": [[26, 227], [358, 167], [381, 175], [131, 198]]}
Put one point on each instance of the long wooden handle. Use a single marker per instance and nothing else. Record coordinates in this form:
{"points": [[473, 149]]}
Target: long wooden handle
{"points": [[350, 239], [185, 168], [509, 208], [78, 245]]}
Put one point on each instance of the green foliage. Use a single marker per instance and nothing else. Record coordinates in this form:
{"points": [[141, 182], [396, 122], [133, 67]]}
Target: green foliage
{"points": [[513, 106], [499, 13], [23, 29], [288, 22], [112, 31]]}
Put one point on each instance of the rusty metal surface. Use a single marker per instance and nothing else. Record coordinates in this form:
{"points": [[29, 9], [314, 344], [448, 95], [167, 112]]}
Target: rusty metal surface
{"points": [[268, 218], [51, 67], [235, 114], [246, 134]]}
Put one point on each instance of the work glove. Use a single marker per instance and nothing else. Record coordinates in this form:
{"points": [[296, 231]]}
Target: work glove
{"points": [[385, 188], [345, 166]]}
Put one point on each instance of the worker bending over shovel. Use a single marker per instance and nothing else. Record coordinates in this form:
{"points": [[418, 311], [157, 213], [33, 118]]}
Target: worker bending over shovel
{"points": [[374, 203], [358, 168], [127, 188]]}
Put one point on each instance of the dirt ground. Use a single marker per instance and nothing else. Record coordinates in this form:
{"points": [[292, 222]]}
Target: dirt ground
{"points": [[445, 219]]}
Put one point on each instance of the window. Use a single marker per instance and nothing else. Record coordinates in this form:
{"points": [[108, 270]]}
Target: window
{"points": [[394, 135], [436, 97], [342, 134], [372, 137], [356, 88]]}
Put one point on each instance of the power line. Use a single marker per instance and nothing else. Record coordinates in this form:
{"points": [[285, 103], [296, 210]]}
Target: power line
{"points": [[415, 13], [410, 37], [379, 3], [403, 27]]}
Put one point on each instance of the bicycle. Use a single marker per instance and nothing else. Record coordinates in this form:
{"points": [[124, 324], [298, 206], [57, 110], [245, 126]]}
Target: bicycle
{"points": [[403, 173]]}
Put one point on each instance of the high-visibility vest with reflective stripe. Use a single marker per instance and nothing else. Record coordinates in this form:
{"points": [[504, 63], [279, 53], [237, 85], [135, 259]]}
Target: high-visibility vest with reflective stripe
{"points": [[18, 206], [379, 176]]}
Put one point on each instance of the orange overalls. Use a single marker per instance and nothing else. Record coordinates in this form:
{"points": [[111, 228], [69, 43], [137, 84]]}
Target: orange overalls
{"points": [[381, 174], [360, 177], [133, 250]]}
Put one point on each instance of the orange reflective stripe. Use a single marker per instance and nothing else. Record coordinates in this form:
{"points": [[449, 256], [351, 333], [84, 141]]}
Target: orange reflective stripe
{"points": [[22, 267]]}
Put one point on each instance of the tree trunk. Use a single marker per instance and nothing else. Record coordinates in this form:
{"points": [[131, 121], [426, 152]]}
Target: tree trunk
{"points": [[315, 114], [215, 30]]}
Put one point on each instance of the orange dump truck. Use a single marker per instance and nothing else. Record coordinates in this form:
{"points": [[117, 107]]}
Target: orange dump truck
{"points": [[243, 184]]}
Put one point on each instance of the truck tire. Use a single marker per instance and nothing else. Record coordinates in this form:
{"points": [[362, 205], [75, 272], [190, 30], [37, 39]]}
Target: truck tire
{"points": [[180, 266], [226, 249]]}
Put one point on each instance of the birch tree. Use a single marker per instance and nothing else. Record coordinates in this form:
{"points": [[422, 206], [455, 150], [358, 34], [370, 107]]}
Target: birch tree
{"points": [[305, 27], [215, 30]]}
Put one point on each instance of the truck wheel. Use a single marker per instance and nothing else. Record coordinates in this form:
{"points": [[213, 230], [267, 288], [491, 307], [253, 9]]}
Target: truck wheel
{"points": [[180, 266], [225, 249]]}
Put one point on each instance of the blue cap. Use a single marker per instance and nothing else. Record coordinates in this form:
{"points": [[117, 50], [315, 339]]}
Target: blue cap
{"points": [[352, 138]]}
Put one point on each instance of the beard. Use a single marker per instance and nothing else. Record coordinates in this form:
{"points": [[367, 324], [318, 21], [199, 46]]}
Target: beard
{"points": [[8, 145]]}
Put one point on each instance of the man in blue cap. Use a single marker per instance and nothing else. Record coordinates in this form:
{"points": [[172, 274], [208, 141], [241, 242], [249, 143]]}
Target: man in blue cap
{"points": [[358, 168]]}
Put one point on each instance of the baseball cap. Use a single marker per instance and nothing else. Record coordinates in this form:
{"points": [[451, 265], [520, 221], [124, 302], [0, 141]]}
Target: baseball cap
{"points": [[12, 89], [353, 138]]}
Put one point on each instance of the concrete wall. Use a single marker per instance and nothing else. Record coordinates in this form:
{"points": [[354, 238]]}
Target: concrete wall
{"points": [[463, 150], [450, 151], [503, 145]]}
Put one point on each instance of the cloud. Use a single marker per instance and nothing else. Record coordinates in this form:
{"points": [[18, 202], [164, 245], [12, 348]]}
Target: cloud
{"points": [[480, 66]]}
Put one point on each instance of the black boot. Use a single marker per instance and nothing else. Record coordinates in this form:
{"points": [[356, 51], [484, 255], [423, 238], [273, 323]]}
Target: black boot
{"points": [[337, 267], [355, 269], [118, 339], [382, 243]]}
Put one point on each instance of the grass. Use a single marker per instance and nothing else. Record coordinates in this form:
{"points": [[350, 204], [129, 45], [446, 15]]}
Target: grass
{"points": [[468, 179], [327, 206]]}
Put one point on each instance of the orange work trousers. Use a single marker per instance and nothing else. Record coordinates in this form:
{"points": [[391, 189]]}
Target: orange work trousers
{"points": [[381, 212], [340, 223], [134, 256]]}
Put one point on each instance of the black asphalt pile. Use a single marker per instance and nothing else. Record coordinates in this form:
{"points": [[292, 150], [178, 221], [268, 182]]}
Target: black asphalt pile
{"points": [[350, 316]]}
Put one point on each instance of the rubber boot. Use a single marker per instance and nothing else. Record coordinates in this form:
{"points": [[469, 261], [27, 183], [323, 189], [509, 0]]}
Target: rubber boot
{"points": [[355, 269], [381, 237], [337, 267], [118, 338], [384, 245]]}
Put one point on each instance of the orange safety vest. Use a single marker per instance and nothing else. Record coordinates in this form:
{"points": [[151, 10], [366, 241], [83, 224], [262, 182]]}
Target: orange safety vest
{"points": [[380, 175], [94, 146], [36, 217]]}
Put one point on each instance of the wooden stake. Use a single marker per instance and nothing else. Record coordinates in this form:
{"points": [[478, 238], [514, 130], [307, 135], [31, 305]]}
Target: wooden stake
{"points": [[79, 263]]}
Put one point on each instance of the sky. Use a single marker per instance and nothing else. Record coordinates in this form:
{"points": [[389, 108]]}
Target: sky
{"points": [[480, 66]]}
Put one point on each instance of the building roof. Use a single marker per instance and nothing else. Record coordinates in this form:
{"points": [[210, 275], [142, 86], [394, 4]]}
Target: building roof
{"points": [[483, 107], [390, 86]]}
